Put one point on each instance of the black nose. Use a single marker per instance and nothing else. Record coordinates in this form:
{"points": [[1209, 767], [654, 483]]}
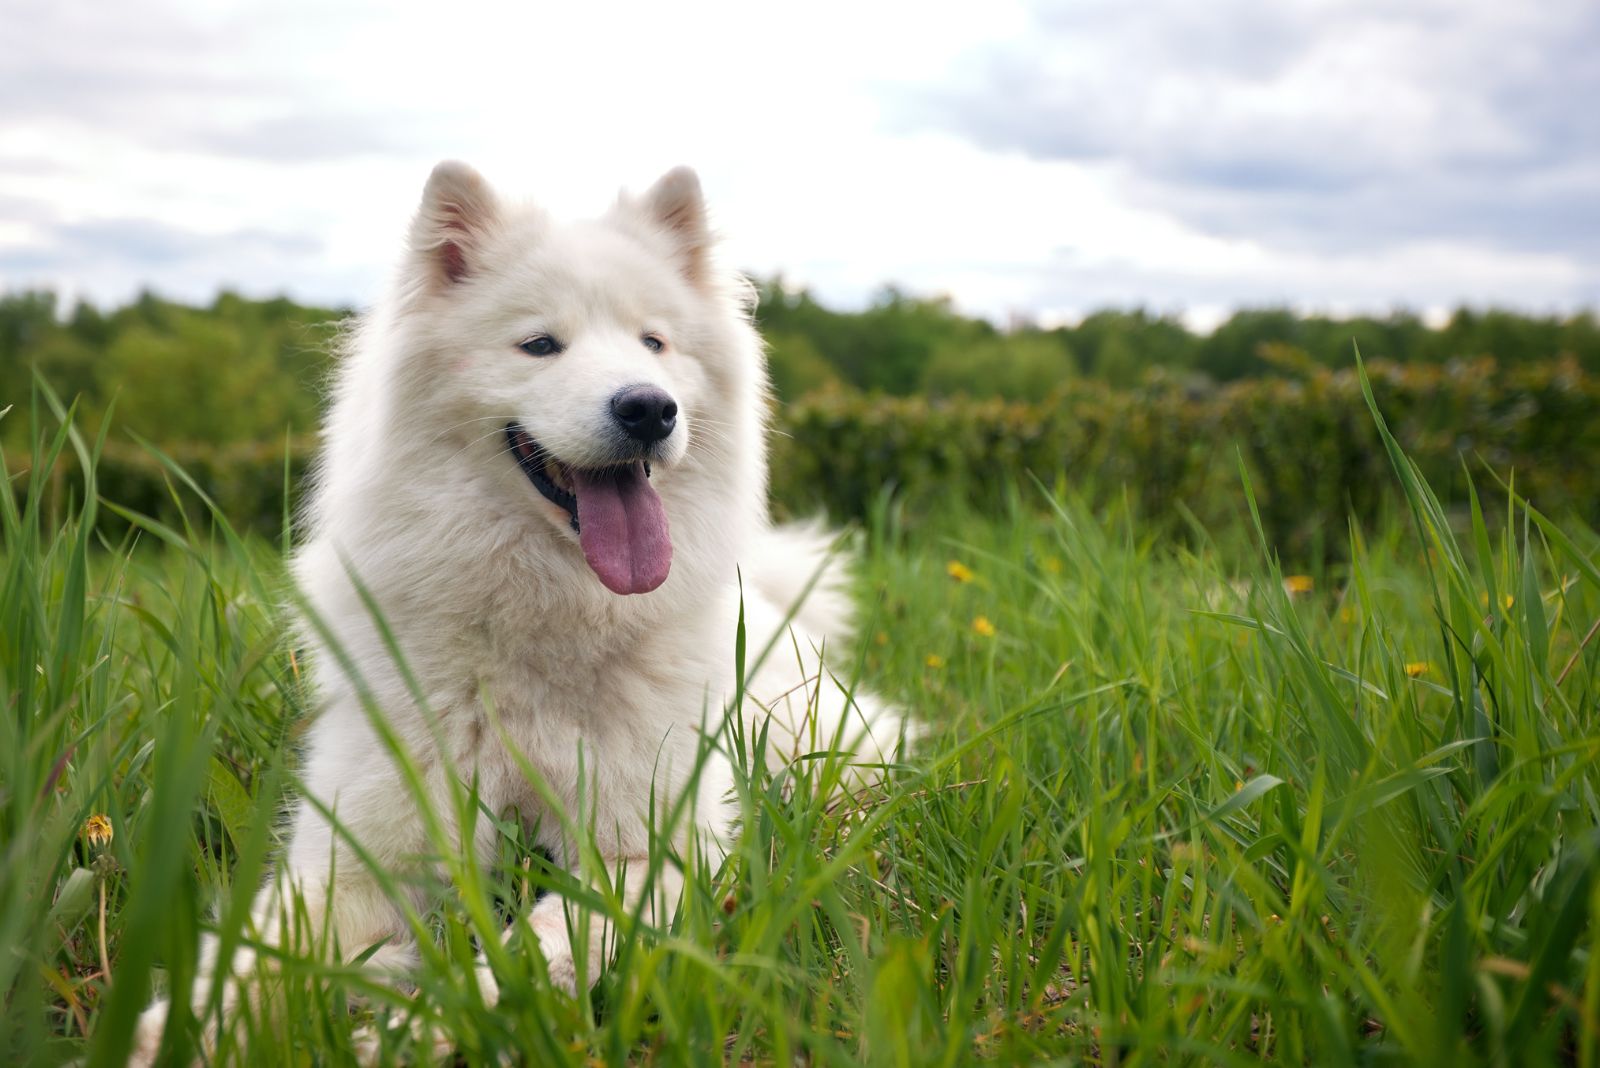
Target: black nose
{"points": [[646, 413]]}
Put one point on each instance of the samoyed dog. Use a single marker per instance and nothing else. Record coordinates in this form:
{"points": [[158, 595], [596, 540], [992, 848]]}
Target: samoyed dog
{"points": [[544, 487]]}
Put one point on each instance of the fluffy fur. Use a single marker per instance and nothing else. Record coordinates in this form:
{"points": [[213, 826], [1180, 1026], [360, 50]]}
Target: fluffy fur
{"points": [[482, 580]]}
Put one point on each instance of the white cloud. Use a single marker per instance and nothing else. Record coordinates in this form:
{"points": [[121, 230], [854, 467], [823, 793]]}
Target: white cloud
{"points": [[1309, 124], [1045, 160]]}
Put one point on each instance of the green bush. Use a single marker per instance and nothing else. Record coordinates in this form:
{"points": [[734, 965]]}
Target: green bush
{"points": [[1173, 446], [1307, 442], [245, 481]]}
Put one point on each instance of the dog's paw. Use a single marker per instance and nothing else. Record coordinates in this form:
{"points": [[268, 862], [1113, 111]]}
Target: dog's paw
{"points": [[430, 1044], [488, 985], [555, 944], [147, 1036]]}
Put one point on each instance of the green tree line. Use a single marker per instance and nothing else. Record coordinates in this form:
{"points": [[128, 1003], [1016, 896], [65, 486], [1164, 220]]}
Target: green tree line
{"points": [[235, 371], [905, 345], [241, 370]]}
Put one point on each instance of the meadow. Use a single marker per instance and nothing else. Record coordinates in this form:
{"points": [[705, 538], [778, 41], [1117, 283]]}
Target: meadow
{"points": [[1174, 805]]}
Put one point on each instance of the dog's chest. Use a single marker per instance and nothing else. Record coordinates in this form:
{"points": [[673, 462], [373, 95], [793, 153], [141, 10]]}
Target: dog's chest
{"points": [[619, 715]]}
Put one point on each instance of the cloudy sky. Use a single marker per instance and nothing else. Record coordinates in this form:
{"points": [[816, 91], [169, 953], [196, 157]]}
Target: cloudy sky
{"points": [[1041, 159]]}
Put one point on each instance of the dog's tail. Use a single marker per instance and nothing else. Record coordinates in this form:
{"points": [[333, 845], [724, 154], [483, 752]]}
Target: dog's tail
{"points": [[805, 688], [806, 567]]}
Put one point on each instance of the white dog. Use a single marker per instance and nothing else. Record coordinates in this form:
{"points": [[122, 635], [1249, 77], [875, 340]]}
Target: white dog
{"points": [[546, 468]]}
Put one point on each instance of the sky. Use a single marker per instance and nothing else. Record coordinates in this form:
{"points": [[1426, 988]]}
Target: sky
{"points": [[1031, 161]]}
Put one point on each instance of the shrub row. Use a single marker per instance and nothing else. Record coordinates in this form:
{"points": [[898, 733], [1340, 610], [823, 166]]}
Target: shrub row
{"points": [[1306, 439]]}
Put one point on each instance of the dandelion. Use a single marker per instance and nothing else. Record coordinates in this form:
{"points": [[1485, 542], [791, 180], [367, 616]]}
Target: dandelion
{"points": [[958, 571], [935, 661], [881, 638], [982, 627], [97, 828], [1052, 565], [1295, 585], [1418, 668]]}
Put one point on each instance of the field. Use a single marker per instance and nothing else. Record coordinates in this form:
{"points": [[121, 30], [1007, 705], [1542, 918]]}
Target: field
{"points": [[1174, 806]]}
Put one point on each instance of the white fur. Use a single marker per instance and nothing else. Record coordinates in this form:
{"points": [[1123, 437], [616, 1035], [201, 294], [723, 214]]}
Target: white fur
{"points": [[482, 582]]}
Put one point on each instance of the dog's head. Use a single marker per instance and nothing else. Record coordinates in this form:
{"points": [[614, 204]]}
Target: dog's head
{"points": [[593, 356]]}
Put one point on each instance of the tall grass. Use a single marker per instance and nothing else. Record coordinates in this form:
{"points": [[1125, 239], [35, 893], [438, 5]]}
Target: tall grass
{"points": [[1173, 806]]}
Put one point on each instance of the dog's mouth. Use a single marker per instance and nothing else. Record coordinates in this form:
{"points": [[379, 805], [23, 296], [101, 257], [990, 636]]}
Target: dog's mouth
{"points": [[614, 510], [549, 476]]}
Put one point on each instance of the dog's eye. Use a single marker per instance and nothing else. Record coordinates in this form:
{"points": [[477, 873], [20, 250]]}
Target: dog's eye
{"points": [[653, 343], [541, 345]]}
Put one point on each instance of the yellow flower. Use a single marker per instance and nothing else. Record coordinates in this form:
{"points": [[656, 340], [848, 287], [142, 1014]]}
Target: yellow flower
{"points": [[982, 626], [958, 571], [882, 637], [1298, 584], [1418, 668], [97, 828], [1052, 565], [1346, 615], [934, 661]]}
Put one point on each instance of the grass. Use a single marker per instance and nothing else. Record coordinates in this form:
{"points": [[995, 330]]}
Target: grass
{"points": [[1174, 806]]}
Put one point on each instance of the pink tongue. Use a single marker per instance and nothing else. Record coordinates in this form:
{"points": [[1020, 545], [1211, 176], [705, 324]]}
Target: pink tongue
{"points": [[623, 528]]}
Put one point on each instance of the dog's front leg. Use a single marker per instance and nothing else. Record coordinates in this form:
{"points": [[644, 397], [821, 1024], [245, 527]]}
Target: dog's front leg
{"points": [[323, 896], [562, 928], [578, 944]]}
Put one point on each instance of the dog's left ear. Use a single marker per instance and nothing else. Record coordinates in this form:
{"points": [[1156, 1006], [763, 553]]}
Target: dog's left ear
{"points": [[675, 207]]}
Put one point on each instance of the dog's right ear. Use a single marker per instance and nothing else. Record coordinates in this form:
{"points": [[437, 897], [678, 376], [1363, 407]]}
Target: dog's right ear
{"points": [[457, 213]]}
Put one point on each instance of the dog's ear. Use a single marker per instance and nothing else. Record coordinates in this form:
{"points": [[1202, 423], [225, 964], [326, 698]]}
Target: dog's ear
{"points": [[675, 206], [457, 213]]}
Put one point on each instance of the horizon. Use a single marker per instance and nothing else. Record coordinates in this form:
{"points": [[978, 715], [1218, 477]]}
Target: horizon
{"points": [[1432, 318]]}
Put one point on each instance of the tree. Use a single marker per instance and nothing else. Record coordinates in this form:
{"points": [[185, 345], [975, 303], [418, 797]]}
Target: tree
{"points": [[1027, 365]]}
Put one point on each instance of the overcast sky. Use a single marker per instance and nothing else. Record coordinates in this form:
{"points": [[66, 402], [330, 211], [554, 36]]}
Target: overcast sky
{"points": [[1043, 159]]}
